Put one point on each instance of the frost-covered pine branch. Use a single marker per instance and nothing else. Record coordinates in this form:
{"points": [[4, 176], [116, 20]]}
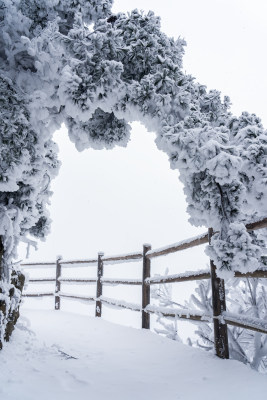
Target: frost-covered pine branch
{"points": [[246, 297], [163, 295], [75, 62]]}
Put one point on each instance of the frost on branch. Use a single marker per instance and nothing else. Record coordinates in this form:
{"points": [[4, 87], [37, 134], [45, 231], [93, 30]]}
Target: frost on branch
{"points": [[247, 300], [163, 295], [240, 249], [74, 62], [103, 130]]}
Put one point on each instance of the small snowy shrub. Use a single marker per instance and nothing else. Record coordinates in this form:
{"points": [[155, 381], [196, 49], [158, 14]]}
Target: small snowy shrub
{"points": [[244, 297], [163, 295]]}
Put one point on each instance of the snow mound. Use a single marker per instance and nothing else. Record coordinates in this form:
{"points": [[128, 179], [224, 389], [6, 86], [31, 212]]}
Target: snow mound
{"points": [[62, 356]]}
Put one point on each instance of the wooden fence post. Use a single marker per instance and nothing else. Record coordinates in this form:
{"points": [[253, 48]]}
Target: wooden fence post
{"points": [[219, 305], [100, 270], [145, 288], [58, 284]]}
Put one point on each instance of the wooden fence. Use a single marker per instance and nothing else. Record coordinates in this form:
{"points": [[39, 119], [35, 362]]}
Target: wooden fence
{"points": [[220, 316]]}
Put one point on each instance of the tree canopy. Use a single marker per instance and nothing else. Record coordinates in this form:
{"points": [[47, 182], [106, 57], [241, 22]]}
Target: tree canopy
{"points": [[75, 62]]}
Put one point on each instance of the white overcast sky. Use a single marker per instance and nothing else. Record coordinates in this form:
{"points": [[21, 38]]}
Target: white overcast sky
{"points": [[114, 201]]}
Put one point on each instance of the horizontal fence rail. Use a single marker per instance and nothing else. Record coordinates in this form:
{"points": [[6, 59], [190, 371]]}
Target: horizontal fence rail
{"points": [[253, 324], [94, 262], [40, 264], [183, 245], [122, 258], [42, 280], [78, 297], [39, 294], [220, 317], [184, 277], [74, 280], [115, 282]]}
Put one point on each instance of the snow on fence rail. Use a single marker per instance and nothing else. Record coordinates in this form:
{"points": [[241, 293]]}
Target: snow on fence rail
{"points": [[39, 294], [219, 317], [75, 297], [122, 258]]}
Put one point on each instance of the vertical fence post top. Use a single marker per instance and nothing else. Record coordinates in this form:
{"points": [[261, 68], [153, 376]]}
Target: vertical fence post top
{"points": [[147, 246], [101, 254], [210, 234], [59, 258]]}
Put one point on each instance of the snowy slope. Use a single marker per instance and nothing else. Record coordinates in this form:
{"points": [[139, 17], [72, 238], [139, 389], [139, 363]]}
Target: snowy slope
{"points": [[65, 356]]}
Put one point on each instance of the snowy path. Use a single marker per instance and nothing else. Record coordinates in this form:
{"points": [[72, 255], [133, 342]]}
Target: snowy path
{"points": [[77, 357]]}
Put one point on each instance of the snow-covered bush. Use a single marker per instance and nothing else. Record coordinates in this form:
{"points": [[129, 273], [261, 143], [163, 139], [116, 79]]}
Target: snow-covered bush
{"points": [[163, 295], [75, 62], [245, 297]]}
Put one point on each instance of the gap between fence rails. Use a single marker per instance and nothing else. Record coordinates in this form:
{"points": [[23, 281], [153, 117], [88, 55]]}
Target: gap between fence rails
{"points": [[219, 317]]}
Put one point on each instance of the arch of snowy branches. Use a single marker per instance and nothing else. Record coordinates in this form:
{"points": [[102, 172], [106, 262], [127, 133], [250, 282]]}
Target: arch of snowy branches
{"points": [[75, 62]]}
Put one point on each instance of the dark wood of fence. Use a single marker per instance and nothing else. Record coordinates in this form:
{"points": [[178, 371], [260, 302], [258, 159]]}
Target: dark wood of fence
{"points": [[219, 317]]}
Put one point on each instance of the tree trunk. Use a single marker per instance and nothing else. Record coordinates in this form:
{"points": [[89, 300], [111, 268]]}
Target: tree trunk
{"points": [[17, 280], [1, 259]]}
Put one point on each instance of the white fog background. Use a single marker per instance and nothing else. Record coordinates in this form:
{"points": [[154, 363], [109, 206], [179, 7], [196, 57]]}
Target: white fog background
{"points": [[114, 201]]}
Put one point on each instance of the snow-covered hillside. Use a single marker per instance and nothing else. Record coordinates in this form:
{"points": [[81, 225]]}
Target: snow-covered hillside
{"points": [[60, 356]]}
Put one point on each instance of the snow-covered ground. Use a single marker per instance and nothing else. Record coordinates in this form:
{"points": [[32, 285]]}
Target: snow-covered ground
{"points": [[55, 355]]}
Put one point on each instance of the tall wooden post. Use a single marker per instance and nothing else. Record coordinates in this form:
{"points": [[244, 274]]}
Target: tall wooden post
{"points": [[58, 284], [100, 271], [145, 287], [219, 305], [1, 259]]}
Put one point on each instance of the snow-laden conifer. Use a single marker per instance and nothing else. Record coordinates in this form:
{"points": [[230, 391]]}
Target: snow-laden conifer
{"points": [[75, 62]]}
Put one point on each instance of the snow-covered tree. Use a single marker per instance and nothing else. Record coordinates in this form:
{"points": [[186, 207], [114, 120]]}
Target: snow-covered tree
{"points": [[245, 297], [73, 61]]}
